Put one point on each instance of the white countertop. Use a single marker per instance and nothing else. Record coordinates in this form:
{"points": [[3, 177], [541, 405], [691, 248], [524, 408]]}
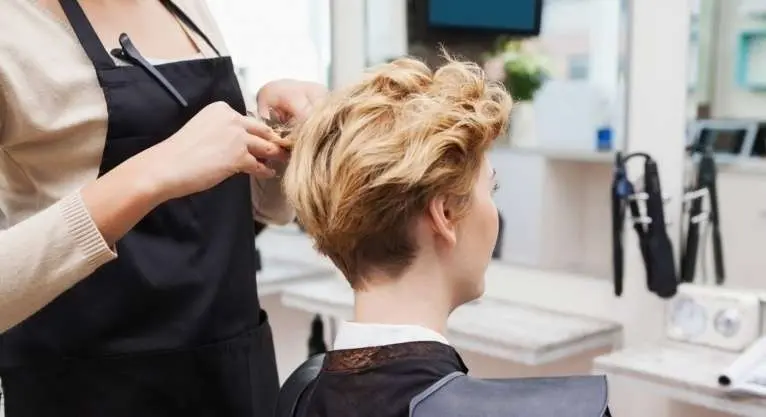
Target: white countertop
{"points": [[501, 329], [750, 166], [682, 372], [278, 274], [560, 154], [288, 243]]}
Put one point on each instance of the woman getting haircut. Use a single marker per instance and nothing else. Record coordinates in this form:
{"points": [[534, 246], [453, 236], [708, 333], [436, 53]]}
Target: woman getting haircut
{"points": [[390, 178]]}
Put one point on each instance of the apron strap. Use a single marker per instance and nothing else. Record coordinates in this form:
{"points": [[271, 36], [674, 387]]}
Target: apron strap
{"points": [[87, 35], [186, 20], [92, 44]]}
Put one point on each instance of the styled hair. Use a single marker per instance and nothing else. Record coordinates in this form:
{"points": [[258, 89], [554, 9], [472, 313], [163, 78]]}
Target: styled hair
{"points": [[369, 159]]}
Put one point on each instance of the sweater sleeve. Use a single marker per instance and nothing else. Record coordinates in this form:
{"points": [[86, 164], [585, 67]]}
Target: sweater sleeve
{"points": [[46, 254]]}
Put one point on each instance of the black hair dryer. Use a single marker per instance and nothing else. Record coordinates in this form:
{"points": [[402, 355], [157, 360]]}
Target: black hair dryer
{"points": [[647, 214]]}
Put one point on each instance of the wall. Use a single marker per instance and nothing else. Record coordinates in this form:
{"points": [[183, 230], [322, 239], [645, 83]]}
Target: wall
{"points": [[742, 206], [519, 199], [386, 22], [556, 212], [577, 226]]}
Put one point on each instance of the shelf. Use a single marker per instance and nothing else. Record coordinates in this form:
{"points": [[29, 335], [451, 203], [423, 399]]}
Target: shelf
{"points": [[749, 166], [501, 329], [289, 243], [561, 155], [279, 274], [288, 258], [684, 373]]}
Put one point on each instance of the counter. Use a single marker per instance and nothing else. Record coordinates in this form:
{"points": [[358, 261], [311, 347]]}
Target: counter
{"points": [[280, 273], [500, 329], [684, 373], [288, 258]]}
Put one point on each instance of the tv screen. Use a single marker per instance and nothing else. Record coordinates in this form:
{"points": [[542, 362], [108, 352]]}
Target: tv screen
{"points": [[520, 17]]}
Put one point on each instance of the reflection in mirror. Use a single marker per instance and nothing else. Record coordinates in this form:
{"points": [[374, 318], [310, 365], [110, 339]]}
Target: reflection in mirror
{"points": [[567, 81], [725, 207], [555, 165]]}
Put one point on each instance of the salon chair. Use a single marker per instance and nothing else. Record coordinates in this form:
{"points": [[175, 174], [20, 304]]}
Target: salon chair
{"points": [[296, 387]]}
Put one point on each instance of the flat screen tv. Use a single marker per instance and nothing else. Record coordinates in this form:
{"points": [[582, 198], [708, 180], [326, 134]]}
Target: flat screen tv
{"points": [[499, 17]]}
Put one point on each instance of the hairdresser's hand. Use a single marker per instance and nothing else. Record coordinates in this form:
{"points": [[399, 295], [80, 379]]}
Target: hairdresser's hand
{"points": [[214, 145], [289, 99]]}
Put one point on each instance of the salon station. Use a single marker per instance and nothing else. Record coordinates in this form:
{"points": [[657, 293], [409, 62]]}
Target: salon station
{"points": [[632, 187], [633, 195]]}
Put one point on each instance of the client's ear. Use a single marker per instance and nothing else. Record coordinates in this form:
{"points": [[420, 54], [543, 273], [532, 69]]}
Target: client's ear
{"points": [[442, 220]]}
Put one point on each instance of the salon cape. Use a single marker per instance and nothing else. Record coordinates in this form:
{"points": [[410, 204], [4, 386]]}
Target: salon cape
{"points": [[458, 394]]}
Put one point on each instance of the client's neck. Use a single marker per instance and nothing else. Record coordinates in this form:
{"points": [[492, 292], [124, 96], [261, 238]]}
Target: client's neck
{"points": [[418, 297]]}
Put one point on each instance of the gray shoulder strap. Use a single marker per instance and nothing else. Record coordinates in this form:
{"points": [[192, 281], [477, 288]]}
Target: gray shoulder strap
{"points": [[459, 395]]}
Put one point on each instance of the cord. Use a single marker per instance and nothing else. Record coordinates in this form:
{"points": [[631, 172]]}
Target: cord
{"points": [[644, 155]]}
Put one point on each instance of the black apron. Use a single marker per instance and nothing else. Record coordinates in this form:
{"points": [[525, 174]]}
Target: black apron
{"points": [[173, 327]]}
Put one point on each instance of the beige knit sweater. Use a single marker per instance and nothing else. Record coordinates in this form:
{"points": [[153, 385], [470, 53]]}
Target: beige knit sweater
{"points": [[52, 131]]}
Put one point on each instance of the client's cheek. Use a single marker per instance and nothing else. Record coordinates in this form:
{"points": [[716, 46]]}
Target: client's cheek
{"points": [[491, 215]]}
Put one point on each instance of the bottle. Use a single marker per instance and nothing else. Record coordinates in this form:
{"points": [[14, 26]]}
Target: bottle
{"points": [[604, 139]]}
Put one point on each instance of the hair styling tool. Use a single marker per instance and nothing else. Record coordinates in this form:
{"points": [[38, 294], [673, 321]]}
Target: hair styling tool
{"points": [[705, 187], [654, 243]]}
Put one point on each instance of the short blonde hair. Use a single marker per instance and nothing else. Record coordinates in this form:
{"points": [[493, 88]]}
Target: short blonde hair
{"points": [[368, 160]]}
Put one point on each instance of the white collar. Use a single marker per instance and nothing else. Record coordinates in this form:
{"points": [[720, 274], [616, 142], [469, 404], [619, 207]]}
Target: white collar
{"points": [[352, 335]]}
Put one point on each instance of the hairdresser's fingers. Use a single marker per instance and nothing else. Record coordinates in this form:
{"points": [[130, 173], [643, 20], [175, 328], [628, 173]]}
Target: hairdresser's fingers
{"points": [[265, 149], [251, 165], [257, 127], [291, 99]]}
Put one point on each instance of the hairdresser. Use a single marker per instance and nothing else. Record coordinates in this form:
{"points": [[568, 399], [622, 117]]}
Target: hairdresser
{"points": [[129, 180]]}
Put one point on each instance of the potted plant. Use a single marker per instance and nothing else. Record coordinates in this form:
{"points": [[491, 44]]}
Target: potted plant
{"points": [[523, 72]]}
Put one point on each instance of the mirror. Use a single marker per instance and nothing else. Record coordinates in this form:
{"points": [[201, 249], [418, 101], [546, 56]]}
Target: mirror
{"points": [[725, 227], [554, 167]]}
